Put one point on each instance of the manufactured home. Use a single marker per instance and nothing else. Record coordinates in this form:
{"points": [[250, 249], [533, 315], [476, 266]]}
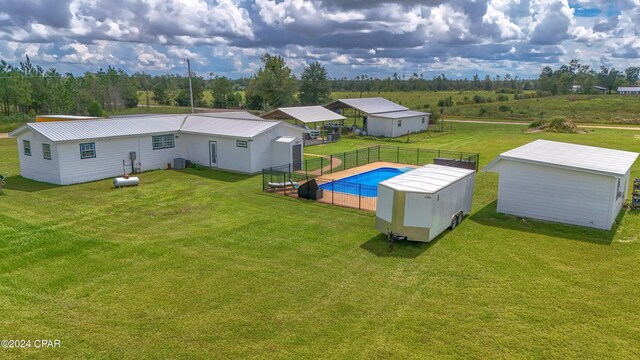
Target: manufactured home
{"points": [[422, 203], [565, 183], [385, 118], [72, 152]]}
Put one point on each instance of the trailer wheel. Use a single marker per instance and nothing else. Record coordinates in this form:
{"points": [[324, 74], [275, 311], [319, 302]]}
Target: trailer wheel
{"points": [[454, 222]]}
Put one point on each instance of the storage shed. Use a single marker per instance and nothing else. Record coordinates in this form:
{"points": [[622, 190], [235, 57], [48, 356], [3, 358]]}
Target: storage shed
{"points": [[383, 117], [562, 182], [422, 203], [70, 152]]}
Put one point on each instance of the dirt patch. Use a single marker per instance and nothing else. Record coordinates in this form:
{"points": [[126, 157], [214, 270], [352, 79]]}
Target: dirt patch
{"points": [[4, 135]]}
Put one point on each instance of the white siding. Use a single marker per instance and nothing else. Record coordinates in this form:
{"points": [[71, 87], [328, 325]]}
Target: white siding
{"points": [[384, 205], [109, 156], [448, 202], [379, 126], [36, 167], [555, 194], [418, 209], [230, 156]]}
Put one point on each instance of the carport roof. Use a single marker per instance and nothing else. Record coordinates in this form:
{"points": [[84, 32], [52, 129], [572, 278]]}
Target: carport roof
{"points": [[373, 105], [305, 114], [572, 156]]}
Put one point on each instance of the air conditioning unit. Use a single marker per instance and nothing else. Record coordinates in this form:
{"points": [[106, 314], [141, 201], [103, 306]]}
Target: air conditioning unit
{"points": [[179, 163]]}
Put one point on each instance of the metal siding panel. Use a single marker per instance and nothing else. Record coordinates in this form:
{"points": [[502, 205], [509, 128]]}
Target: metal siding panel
{"points": [[418, 210], [554, 194], [384, 205]]}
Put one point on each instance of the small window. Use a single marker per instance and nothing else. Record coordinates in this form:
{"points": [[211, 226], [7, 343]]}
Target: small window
{"points": [[163, 142], [619, 192], [26, 144], [241, 143], [46, 151], [423, 119], [87, 150], [399, 123]]}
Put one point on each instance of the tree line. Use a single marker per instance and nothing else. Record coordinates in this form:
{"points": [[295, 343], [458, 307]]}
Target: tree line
{"points": [[29, 89]]}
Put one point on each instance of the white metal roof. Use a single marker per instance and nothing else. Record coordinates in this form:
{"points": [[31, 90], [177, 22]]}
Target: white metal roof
{"points": [[371, 105], [428, 179], [285, 139], [305, 114], [401, 114], [629, 88], [103, 128], [226, 127], [233, 124], [70, 117], [577, 157]]}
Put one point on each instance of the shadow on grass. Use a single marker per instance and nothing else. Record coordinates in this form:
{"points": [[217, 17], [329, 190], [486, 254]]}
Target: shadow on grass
{"points": [[489, 217], [378, 246], [215, 174], [19, 183]]}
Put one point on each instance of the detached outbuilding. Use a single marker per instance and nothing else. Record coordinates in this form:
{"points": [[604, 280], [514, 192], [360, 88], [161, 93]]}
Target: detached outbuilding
{"points": [[422, 203], [70, 152], [562, 182], [382, 117]]}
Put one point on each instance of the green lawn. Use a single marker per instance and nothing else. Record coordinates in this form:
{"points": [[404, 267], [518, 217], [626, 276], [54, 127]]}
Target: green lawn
{"points": [[579, 108], [202, 264]]}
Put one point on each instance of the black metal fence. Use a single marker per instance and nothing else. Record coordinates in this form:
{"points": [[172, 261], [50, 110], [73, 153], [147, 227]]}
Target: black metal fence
{"points": [[285, 179]]}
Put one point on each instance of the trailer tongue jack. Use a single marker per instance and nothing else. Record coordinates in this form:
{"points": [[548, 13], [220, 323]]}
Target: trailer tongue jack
{"points": [[392, 238]]}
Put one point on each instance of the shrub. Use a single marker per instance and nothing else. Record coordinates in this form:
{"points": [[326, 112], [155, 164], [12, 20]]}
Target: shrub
{"points": [[446, 102], [484, 110], [504, 108], [479, 99], [502, 97], [537, 124]]}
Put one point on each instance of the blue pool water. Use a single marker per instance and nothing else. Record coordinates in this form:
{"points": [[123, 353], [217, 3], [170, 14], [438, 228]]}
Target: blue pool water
{"points": [[364, 184]]}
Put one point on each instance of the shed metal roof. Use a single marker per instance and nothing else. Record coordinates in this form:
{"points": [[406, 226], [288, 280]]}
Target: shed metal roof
{"points": [[373, 105], [572, 156], [305, 114], [400, 114], [232, 124], [428, 179], [629, 88]]}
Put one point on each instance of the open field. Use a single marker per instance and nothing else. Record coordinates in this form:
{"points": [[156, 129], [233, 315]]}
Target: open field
{"points": [[202, 264], [579, 108]]}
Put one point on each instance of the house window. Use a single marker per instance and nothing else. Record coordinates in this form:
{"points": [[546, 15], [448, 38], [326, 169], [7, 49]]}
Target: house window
{"points": [[399, 123], [423, 120], [241, 143], [46, 151], [26, 145], [163, 142], [87, 150]]}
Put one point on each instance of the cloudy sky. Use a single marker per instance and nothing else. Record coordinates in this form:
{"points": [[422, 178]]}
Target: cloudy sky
{"points": [[350, 37]]}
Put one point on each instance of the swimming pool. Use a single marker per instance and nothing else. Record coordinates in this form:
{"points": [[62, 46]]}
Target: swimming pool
{"points": [[363, 184]]}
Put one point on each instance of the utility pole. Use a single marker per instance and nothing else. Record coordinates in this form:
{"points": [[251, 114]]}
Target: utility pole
{"points": [[190, 88], [442, 117]]}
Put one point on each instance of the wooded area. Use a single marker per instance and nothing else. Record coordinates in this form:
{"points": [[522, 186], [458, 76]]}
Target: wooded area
{"points": [[29, 89]]}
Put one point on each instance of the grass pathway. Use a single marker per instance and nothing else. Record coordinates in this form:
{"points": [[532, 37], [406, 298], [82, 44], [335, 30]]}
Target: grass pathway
{"points": [[334, 162]]}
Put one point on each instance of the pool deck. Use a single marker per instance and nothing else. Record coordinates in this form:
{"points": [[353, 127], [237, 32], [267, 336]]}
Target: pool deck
{"points": [[364, 168], [354, 201]]}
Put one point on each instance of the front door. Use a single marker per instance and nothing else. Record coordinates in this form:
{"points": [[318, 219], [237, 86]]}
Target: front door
{"points": [[213, 154], [297, 157]]}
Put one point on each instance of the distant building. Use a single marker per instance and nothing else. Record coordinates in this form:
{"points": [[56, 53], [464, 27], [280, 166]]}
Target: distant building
{"points": [[628, 90], [600, 89], [384, 117]]}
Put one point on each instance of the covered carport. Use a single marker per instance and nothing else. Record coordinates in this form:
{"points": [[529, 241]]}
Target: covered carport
{"points": [[365, 106], [311, 118]]}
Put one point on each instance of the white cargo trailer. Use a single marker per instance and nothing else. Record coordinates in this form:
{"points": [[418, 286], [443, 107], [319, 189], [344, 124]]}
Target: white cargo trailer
{"points": [[420, 204]]}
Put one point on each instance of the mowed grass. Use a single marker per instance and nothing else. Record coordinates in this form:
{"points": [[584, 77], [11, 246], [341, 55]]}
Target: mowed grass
{"points": [[202, 264], [579, 108]]}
